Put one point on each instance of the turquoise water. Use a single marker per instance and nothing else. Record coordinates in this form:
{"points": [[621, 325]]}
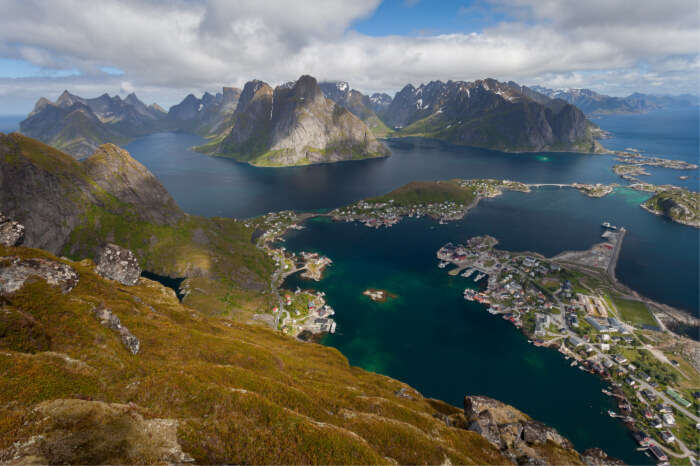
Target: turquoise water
{"points": [[443, 345]]}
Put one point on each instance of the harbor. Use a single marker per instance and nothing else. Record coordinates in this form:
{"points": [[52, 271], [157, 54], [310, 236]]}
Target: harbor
{"points": [[545, 298]]}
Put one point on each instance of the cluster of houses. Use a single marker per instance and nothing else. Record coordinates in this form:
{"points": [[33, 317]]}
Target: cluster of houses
{"points": [[316, 320], [387, 214]]}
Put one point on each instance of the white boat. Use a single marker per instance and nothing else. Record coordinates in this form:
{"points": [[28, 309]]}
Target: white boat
{"points": [[608, 226], [479, 277], [468, 272], [442, 265]]}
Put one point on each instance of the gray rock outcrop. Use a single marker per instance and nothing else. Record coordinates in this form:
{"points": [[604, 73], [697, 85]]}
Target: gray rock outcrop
{"points": [[11, 232], [295, 125], [14, 272], [119, 264], [517, 436], [107, 318]]}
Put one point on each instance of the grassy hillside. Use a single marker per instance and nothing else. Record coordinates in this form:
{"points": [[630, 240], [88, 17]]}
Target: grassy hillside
{"points": [[238, 394], [679, 205], [426, 192], [54, 195]]}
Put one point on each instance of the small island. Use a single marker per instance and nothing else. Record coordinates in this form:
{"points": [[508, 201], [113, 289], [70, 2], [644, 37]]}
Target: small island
{"points": [[679, 205], [632, 164], [379, 296], [629, 172]]}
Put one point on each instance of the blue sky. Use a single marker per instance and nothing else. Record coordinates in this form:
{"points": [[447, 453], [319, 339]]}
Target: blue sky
{"points": [[415, 18], [164, 50]]}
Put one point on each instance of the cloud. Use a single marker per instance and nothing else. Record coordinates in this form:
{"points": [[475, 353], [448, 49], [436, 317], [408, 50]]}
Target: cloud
{"points": [[175, 47]]}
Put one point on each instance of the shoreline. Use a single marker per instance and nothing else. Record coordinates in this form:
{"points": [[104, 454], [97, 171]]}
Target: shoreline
{"points": [[510, 293]]}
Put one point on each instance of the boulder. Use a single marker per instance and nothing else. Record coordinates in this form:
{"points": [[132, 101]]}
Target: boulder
{"points": [[110, 320], [11, 232], [119, 264], [14, 272]]}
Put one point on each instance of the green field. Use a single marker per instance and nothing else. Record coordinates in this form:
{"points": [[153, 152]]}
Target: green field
{"points": [[427, 192], [635, 312]]}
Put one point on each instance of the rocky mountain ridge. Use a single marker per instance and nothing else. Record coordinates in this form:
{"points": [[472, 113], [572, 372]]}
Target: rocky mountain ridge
{"points": [[484, 113], [355, 102], [294, 125], [490, 114], [591, 102], [207, 115]]}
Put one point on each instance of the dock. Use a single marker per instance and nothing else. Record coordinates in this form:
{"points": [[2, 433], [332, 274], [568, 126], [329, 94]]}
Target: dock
{"points": [[616, 253]]}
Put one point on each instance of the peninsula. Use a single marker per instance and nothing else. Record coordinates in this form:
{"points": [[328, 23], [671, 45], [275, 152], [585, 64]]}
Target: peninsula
{"points": [[573, 303]]}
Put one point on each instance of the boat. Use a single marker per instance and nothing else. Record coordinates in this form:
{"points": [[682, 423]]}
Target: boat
{"points": [[608, 226], [468, 272], [442, 265], [573, 364], [479, 277], [612, 413]]}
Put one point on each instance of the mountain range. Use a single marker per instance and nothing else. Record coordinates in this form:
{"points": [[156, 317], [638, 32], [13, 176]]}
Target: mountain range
{"points": [[591, 102], [490, 114], [302, 122], [77, 125]]}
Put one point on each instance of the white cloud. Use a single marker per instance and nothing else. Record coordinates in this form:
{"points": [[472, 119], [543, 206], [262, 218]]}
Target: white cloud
{"points": [[171, 48]]}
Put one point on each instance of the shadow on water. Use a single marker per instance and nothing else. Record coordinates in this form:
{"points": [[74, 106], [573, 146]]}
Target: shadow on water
{"points": [[172, 283]]}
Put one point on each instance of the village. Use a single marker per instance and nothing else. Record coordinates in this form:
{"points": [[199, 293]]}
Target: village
{"points": [[556, 303], [387, 214], [303, 314]]}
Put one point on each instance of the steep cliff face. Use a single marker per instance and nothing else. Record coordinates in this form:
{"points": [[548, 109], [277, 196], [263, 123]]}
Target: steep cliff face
{"points": [[491, 114], [51, 193], [356, 103], [295, 125]]}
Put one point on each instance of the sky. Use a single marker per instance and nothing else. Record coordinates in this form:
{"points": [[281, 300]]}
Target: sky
{"points": [[163, 50]]}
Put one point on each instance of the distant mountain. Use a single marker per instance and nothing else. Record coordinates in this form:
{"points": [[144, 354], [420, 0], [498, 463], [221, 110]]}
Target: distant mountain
{"points": [[78, 126], [356, 102], [591, 102], [379, 102], [294, 125], [491, 114], [205, 116]]}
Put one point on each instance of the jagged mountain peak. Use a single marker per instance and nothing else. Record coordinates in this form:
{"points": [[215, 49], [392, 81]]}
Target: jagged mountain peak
{"points": [[66, 99], [295, 125], [306, 87]]}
